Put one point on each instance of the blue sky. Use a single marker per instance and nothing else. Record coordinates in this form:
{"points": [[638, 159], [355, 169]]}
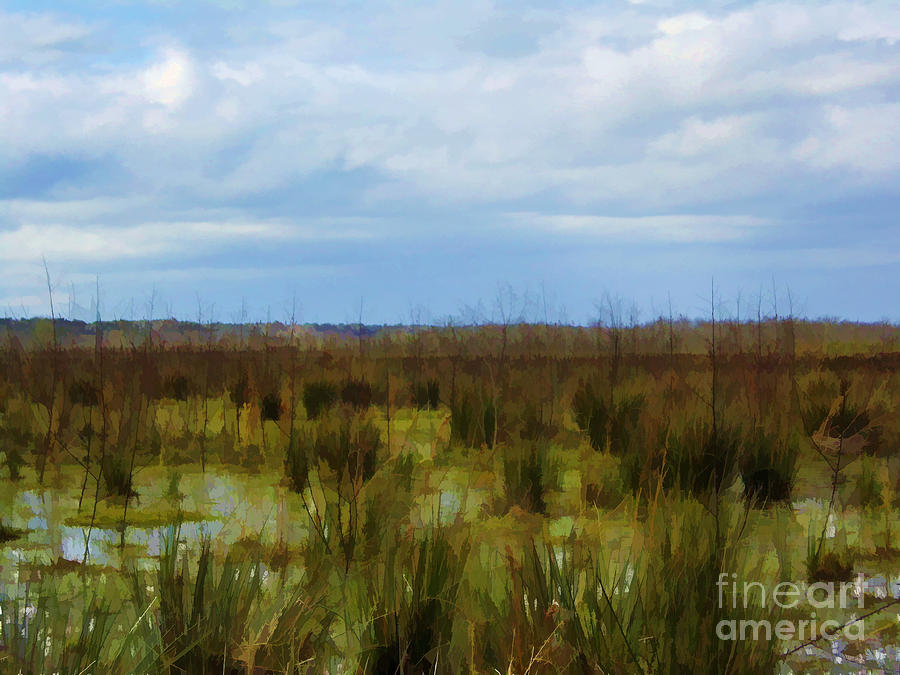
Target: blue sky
{"points": [[427, 158]]}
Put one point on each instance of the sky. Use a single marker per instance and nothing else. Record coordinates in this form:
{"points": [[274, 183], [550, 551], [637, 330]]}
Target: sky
{"points": [[411, 161]]}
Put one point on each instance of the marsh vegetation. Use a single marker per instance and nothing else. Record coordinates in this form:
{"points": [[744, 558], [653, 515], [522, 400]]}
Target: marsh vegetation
{"points": [[515, 498]]}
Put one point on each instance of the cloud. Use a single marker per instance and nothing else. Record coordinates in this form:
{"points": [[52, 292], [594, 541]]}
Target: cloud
{"points": [[309, 96], [170, 81], [89, 244], [670, 228], [864, 139], [35, 39], [130, 140]]}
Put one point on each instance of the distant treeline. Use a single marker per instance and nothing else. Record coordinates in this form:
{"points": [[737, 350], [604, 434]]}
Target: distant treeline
{"points": [[763, 336]]}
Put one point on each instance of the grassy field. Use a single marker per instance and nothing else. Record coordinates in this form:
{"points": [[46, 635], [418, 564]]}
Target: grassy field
{"points": [[185, 498]]}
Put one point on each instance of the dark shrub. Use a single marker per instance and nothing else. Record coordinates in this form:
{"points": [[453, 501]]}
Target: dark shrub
{"points": [[347, 444], [584, 403], [699, 460], [489, 422], [533, 427], [178, 387], [592, 415], [117, 476], [427, 395], [83, 392], [623, 423], [8, 533], [462, 420], [828, 567], [869, 490], [318, 397], [847, 421], [523, 474], [768, 466], [240, 392], [270, 407], [15, 442], [357, 393], [296, 461]]}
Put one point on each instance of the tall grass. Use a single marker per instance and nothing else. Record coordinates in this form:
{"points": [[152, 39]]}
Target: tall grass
{"points": [[415, 591]]}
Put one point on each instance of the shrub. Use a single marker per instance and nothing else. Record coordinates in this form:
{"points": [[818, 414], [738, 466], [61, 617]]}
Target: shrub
{"points": [[427, 395], [525, 470], [624, 423], [489, 422], [847, 421], [584, 403], [8, 533], [178, 387], [83, 392], [604, 484], [15, 441], [462, 420], [591, 415], [699, 460], [117, 475], [819, 396], [827, 567], [614, 425], [347, 444], [357, 393], [532, 426], [868, 492], [270, 407], [318, 397], [296, 461], [769, 466], [240, 392]]}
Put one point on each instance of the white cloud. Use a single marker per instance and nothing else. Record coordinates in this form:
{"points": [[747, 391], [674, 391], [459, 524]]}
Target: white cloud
{"points": [[697, 136], [169, 81], [36, 39], [89, 243], [865, 139], [670, 228], [667, 109]]}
